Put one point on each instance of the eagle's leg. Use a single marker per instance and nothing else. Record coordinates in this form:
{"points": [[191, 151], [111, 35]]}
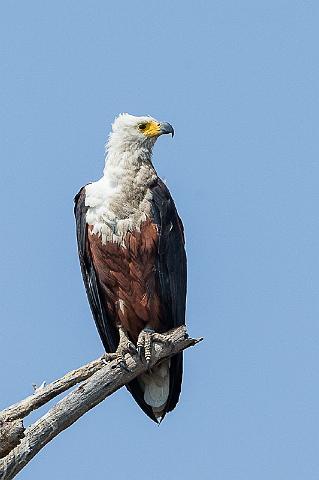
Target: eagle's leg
{"points": [[125, 346], [145, 341]]}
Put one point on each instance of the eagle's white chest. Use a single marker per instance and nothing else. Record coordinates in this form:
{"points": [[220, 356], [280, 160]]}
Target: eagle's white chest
{"points": [[120, 201]]}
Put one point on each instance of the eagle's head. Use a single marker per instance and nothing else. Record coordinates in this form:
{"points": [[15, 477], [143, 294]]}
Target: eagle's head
{"points": [[137, 132]]}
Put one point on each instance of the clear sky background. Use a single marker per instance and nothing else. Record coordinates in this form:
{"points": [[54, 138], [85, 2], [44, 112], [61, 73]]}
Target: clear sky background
{"points": [[239, 82]]}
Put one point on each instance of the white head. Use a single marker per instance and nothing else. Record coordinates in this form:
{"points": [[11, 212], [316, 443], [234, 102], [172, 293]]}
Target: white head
{"points": [[130, 133]]}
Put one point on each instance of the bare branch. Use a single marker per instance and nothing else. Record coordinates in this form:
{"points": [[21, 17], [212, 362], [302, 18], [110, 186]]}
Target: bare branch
{"points": [[105, 379], [43, 395]]}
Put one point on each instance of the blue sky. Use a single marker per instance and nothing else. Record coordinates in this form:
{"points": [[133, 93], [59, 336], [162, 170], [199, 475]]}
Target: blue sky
{"points": [[239, 82]]}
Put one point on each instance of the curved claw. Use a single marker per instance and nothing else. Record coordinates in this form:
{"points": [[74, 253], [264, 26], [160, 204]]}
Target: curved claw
{"points": [[123, 365], [132, 349], [140, 351]]}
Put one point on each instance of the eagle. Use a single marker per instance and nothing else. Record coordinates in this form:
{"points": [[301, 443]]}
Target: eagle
{"points": [[132, 256]]}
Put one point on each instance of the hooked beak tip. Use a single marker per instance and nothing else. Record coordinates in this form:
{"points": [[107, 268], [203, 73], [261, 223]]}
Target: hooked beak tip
{"points": [[166, 128]]}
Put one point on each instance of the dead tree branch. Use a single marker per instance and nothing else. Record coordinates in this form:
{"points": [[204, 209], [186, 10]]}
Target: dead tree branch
{"points": [[99, 380]]}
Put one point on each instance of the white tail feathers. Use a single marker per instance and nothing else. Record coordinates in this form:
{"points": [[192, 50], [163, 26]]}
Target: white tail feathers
{"points": [[155, 386]]}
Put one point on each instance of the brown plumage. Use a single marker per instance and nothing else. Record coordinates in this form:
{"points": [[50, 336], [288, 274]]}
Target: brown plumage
{"points": [[128, 282]]}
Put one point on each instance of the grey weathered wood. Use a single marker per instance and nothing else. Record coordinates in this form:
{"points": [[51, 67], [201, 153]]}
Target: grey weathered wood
{"points": [[10, 435], [43, 395], [105, 379]]}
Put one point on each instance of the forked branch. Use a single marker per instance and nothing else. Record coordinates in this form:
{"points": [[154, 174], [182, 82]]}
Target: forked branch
{"points": [[99, 379]]}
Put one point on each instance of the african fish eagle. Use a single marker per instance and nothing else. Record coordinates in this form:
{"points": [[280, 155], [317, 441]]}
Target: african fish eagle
{"points": [[131, 249]]}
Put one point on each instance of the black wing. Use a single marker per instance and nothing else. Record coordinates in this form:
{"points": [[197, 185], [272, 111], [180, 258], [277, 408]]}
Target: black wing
{"points": [[108, 334], [171, 263], [172, 272]]}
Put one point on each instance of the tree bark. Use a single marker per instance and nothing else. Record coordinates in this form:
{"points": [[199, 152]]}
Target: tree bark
{"points": [[99, 380]]}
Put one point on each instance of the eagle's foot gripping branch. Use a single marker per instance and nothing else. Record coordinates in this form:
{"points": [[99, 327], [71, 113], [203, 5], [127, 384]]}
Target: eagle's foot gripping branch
{"points": [[125, 346], [145, 343]]}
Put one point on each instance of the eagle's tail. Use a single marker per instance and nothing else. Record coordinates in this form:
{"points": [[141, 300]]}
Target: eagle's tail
{"points": [[156, 386]]}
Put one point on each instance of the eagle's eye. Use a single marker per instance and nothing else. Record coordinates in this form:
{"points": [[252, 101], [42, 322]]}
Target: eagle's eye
{"points": [[142, 126]]}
